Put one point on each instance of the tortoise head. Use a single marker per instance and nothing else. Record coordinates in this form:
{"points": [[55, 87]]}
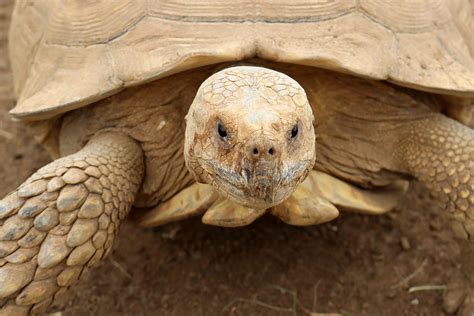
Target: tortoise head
{"points": [[250, 134]]}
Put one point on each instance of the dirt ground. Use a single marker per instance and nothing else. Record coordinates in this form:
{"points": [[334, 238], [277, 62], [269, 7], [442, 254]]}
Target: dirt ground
{"points": [[356, 265]]}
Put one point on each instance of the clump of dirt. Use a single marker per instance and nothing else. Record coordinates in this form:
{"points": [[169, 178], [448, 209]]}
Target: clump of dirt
{"points": [[355, 265]]}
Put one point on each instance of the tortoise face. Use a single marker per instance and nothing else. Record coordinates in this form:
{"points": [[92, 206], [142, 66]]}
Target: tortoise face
{"points": [[250, 134]]}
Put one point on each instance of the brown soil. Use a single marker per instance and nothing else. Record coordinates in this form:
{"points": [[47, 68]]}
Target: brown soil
{"points": [[355, 265]]}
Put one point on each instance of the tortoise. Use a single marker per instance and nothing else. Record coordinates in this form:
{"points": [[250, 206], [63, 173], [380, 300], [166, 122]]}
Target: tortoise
{"points": [[231, 110]]}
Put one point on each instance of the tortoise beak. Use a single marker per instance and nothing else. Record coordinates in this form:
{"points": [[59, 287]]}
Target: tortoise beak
{"points": [[261, 167], [261, 179]]}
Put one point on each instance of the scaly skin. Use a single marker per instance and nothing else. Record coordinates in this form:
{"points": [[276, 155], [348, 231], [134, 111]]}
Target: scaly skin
{"points": [[63, 219], [257, 163], [440, 153]]}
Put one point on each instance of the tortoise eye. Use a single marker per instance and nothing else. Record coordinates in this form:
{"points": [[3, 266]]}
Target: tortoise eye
{"points": [[294, 131], [221, 131]]}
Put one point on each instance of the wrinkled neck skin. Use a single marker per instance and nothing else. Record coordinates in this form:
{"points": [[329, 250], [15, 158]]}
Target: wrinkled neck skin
{"points": [[250, 135]]}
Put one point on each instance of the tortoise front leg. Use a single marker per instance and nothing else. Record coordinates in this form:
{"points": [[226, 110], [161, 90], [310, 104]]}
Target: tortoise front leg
{"points": [[440, 153], [64, 219]]}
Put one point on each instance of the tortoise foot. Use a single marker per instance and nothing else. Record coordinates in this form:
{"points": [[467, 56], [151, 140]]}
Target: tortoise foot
{"points": [[62, 220]]}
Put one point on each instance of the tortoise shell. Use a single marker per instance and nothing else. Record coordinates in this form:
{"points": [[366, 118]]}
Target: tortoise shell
{"points": [[68, 54]]}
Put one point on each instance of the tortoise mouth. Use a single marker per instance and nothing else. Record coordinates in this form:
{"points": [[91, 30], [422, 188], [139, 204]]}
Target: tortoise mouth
{"points": [[260, 188]]}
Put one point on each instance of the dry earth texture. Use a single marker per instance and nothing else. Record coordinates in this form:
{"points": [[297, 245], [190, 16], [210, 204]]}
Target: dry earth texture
{"points": [[355, 265]]}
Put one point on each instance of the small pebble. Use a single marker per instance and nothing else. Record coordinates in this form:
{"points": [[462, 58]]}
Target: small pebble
{"points": [[405, 243], [415, 302]]}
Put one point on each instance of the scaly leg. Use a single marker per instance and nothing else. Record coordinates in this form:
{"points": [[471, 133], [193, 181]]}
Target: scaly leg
{"points": [[64, 219], [440, 153]]}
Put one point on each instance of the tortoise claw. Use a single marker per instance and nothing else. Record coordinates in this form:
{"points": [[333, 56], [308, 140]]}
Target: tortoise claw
{"points": [[192, 201], [196, 200], [315, 201], [226, 213], [302, 209], [306, 206], [350, 197]]}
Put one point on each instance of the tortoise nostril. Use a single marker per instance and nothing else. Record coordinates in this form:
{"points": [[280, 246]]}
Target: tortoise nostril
{"points": [[263, 151]]}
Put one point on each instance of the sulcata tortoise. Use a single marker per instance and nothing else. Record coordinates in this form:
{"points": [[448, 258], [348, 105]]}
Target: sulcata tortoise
{"points": [[230, 109]]}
